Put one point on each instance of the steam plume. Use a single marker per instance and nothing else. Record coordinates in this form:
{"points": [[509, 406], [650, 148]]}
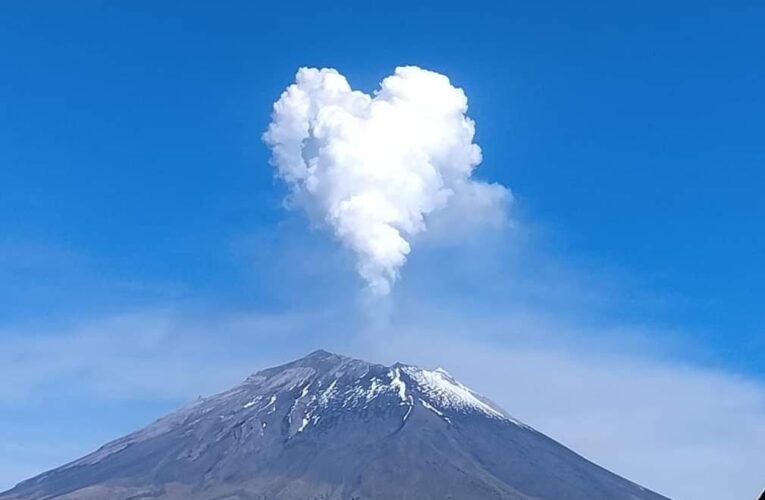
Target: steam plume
{"points": [[374, 167]]}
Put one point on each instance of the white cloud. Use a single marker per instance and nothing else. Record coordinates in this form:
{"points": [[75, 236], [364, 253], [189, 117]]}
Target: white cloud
{"points": [[124, 357], [375, 167]]}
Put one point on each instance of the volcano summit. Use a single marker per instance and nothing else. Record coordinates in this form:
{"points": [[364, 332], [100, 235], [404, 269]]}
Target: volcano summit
{"points": [[334, 428]]}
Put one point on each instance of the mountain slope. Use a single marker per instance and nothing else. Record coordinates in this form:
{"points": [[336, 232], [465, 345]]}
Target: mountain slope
{"points": [[334, 428]]}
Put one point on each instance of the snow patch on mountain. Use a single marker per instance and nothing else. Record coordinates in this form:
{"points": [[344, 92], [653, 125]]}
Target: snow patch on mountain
{"points": [[447, 394]]}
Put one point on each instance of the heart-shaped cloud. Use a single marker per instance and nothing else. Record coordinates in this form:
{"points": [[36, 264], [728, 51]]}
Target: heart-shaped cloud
{"points": [[375, 167]]}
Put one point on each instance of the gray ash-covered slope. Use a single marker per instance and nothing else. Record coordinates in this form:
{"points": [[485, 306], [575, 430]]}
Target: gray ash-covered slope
{"points": [[334, 428]]}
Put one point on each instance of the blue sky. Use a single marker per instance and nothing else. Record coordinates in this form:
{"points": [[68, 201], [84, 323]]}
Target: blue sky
{"points": [[140, 222]]}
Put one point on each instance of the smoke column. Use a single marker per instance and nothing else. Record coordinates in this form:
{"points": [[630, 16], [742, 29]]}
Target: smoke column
{"points": [[373, 168]]}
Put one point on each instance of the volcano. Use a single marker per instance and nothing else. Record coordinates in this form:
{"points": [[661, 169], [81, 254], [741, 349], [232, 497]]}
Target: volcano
{"points": [[329, 427]]}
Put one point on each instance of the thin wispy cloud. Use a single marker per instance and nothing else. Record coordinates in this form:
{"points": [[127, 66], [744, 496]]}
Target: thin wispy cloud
{"points": [[659, 421]]}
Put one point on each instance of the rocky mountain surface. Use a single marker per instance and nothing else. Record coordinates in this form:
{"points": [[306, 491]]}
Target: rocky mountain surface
{"points": [[328, 427]]}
